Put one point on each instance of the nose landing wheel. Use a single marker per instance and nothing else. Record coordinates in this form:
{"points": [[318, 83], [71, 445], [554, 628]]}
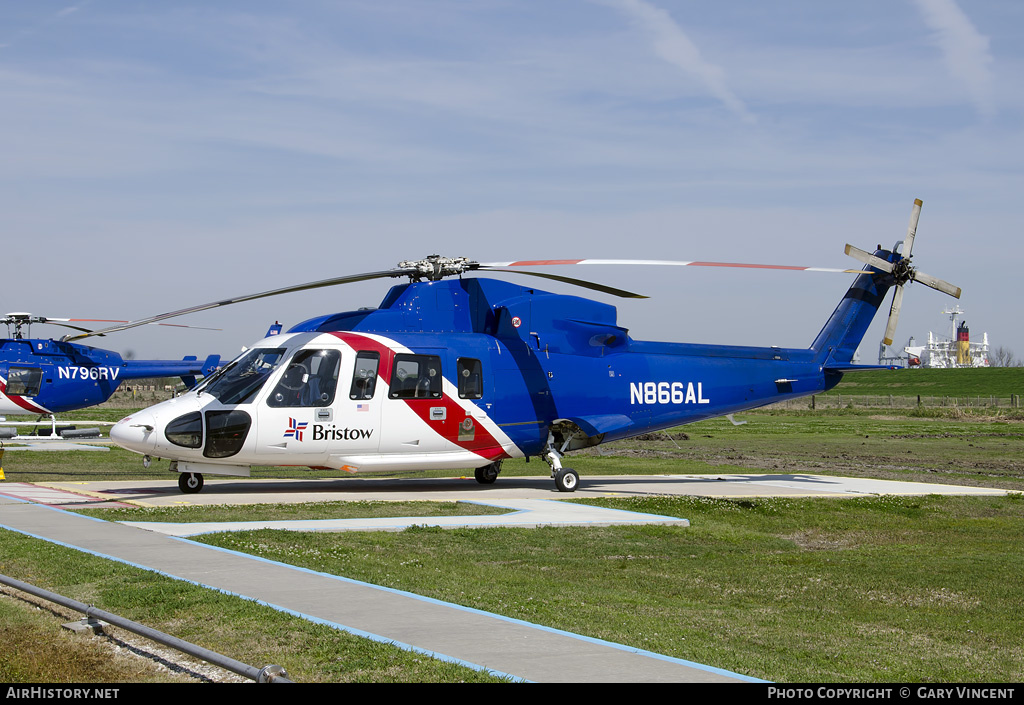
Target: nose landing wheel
{"points": [[488, 473], [190, 482]]}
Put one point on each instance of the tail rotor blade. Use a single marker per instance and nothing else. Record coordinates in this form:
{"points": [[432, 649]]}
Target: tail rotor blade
{"points": [[894, 314], [915, 215], [937, 284], [868, 258]]}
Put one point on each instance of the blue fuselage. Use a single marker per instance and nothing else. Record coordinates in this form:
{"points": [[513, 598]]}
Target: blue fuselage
{"points": [[557, 364], [43, 376]]}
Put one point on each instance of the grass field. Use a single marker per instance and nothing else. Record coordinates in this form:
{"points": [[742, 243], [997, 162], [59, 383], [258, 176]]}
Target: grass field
{"points": [[867, 590], [966, 382], [880, 589]]}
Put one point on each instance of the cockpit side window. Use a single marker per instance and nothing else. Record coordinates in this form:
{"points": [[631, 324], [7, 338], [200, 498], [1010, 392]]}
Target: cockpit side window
{"points": [[309, 379], [416, 377], [242, 379], [364, 378], [25, 381]]}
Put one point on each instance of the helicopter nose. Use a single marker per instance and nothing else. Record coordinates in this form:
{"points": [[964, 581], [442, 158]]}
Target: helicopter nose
{"points": [[136, 432]]}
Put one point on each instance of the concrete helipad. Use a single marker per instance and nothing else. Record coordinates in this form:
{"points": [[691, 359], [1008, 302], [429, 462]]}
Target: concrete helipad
{"points": [[164, 492], [524, 513]]}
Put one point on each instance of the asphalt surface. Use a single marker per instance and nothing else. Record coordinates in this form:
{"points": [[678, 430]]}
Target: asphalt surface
{"points": [[490, 642]]}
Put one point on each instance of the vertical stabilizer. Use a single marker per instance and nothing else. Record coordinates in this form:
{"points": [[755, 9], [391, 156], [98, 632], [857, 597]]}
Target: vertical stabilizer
{"points": [[843, 332]]}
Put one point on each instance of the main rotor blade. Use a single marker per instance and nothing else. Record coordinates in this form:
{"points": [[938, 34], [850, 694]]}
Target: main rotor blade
{"points": [[251, 297], [569, 280], [66, 323], [658, 262], [55, 322], [868, 258], [894, 314], [937, 284], [46, 319], [504, 267], [908, 241]]}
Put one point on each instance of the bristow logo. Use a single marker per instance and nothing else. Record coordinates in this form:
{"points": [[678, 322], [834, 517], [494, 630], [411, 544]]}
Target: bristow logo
{"points": [[332, 433], [295, 429]]}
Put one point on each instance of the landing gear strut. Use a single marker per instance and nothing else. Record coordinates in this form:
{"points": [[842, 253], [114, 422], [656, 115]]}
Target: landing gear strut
{"points": [[566, 479]]}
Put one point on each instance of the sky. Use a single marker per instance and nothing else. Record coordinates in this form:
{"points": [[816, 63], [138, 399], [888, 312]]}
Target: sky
{"points": [[155, 156]]}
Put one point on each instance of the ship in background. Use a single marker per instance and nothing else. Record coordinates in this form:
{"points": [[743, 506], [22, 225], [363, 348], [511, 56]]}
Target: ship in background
{"points": [[942, 353]]}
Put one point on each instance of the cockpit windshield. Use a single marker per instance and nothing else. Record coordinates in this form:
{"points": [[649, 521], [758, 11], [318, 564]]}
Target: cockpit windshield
{"points": [[240, 381]]}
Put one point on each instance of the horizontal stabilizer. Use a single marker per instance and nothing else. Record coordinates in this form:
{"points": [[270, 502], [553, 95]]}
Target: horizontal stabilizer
{"points": [[843, 369]]}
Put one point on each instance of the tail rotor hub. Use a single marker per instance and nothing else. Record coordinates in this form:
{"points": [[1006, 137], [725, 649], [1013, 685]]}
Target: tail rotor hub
{"points": [[902, 272]]}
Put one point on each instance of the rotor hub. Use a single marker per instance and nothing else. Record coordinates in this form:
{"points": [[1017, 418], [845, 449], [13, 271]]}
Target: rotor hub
{"points": [[435, 267], [18, 321]]}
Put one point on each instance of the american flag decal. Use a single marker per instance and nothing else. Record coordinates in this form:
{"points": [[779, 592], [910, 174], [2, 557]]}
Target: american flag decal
{"points": [[295, 429]]}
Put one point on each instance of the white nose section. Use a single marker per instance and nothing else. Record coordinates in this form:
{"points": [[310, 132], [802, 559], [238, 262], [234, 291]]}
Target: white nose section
{"points": [[136, 432]]}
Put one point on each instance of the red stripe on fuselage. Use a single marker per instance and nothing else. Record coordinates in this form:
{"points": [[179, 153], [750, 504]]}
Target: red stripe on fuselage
{"points": [[360, 343], [483, 443], [22, 401]]}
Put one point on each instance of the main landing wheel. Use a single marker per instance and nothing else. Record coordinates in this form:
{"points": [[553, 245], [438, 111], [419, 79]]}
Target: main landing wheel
{"points": [[190, 482], [566, 480], [488, 473]]}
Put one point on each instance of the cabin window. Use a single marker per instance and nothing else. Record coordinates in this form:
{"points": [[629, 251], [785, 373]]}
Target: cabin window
{"points": [[310, 379], [225, 432], [186, 431], [25, 381], [241, 379], [470, 378], [364, 378], [416, 377]]}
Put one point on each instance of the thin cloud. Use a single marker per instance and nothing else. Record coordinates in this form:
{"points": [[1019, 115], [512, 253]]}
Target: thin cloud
{"points": [[964, 48], [673, 45], [46, 21]]}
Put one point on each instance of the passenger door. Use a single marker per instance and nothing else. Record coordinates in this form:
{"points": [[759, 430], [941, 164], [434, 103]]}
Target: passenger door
{"points": [[415, 416], [297, 413]]}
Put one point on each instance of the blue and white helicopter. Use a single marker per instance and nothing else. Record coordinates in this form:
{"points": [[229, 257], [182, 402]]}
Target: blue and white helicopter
{"points": [[463, 373], [45, 377]]}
